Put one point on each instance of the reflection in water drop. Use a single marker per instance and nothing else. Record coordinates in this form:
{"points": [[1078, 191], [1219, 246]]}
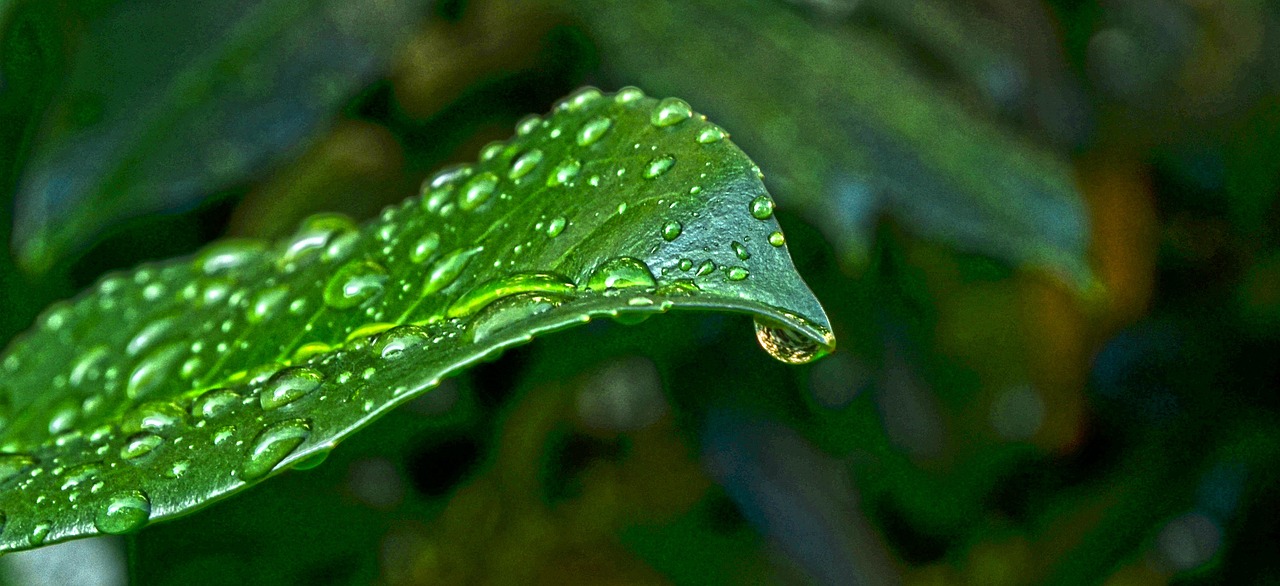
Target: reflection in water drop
{"points": [[788, 345]]}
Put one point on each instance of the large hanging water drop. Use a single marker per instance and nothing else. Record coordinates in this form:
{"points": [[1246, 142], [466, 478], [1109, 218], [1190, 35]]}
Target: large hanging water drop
{"points": [[786, 344]]}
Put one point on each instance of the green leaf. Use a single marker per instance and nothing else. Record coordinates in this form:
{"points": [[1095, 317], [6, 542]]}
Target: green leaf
{"points": [[167, 103], [849, 130], [183, 382]]}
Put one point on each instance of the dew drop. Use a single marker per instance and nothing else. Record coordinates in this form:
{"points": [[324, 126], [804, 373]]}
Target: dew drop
{"points": [[628, 94], [124, 512], [477, 191], [489, 292], [658, 166], [762, 207], [777, 239], [150, 334], [39, 533], [288, 386], [272, 446], [425, 247], [556, 226], [670, 111], [356, 283], [266, 303], [786, 344], [139, 445], [155, 370], [528, 124], [314, 234], [620, 273], [740, 250], [592, 130], [565, 172], [581, 99], [395, 341], [505, 312], [737, 273], [447, 269], [214, 403], [685, 264], [524, 164], [706, 268], [154, 416], [80, 474], [671, 230], [710, 134], [491, 150], [228, 255]]}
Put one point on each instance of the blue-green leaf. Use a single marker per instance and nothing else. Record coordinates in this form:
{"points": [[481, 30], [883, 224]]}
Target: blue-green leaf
{"points": [[182, 382]]}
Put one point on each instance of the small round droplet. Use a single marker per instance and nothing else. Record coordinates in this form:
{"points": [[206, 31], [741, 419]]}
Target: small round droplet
{"points": [[425, 247], [289, 385], [524, 164], [620, 273], [737, 273], [671, 230], [565, 172], [124, 512], [214, 403], [628, 94], [762, 207], [592, 130], [556, 226], [685, 264], [272, 446], [740, 250], [528, 124], [709, 134], [658, 166], [477, 191], [670, 111], [777, 239], [139, 445], [356, 283]]}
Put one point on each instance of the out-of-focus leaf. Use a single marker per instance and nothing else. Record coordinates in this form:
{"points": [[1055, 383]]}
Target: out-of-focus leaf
{"points": [[849, 131], [167, 102], [182, 382]]}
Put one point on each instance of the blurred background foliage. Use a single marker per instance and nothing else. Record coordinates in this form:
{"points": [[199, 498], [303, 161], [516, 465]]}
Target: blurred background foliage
{"points": [[1045, 232]]}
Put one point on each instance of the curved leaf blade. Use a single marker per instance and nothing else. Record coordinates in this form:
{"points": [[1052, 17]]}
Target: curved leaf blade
{"points": [[182, 382]]}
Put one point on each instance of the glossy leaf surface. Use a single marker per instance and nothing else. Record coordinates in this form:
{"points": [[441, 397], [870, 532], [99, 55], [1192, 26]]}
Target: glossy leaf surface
{"points": [[181, 382]]}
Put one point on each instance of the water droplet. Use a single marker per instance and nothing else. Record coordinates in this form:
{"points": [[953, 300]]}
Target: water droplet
{"points": [[477, 191], [670, 111], [447, 269], [76, 475], [706, 268], [777, 239], [139, 445], [288, 386], [524, 164], [528, 124], [395, 341], [786, 344], [505, 312], [12, 465], [620, 273], [272, 446], [425, 248], [314, 234], [39, 533], [306, 351], [709, 134], [592, 130], [223, 434], [737, 273], [685, 264], [124, 512], [312, 461], [154, 416], [658, 166], [622, 208], [581, 99], [740, 250], [356, 283], [214, 403], [762, 207], [89, 366], [491, 150], [227, 255], [150, 334], [155, 370], [556, 226], [265, 303], [483, 295], [565, 172], [671, 230], [628, 94]]}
